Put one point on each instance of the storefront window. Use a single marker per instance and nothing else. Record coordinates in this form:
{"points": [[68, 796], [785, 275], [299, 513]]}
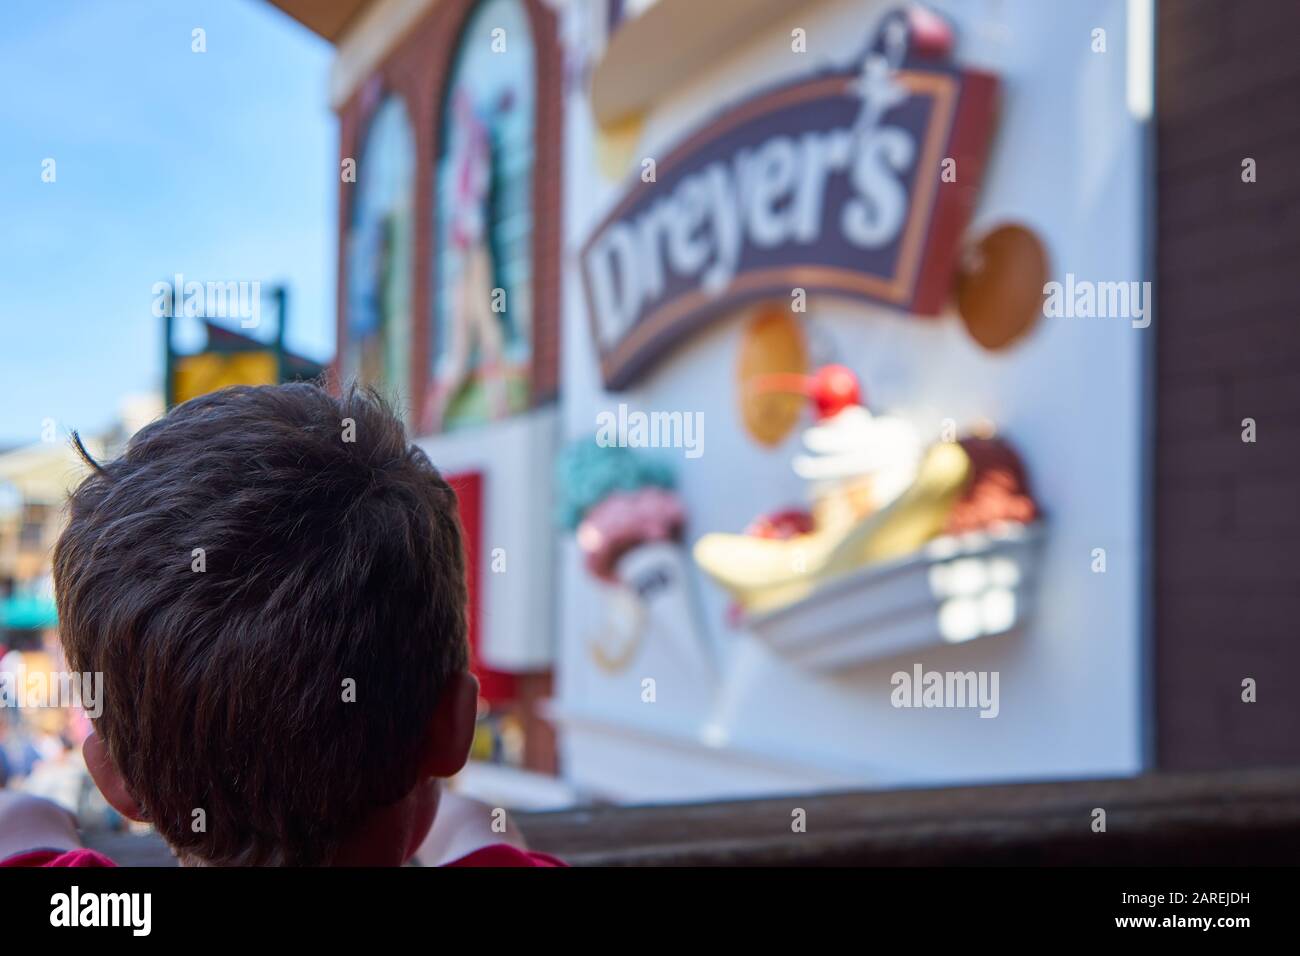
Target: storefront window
{"points": [[379, 249], [482, 301]]}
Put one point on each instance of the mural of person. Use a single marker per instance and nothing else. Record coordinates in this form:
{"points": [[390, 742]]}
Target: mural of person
{"points": [[472, 320], [376, 351], [370, 255], [482, 268]]}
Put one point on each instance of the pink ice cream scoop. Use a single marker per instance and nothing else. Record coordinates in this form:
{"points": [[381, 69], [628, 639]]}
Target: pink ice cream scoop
{"points": [[624, 520]]}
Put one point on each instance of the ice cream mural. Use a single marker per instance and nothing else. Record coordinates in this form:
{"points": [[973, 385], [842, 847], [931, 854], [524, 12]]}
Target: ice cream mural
{"points": [[628, 523], [904, 543]]}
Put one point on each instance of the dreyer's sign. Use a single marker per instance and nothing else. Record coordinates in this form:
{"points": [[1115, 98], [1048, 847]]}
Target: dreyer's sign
{"points": [[836, 184]]}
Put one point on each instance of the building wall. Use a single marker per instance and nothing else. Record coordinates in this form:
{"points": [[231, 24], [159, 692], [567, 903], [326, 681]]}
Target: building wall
{"points": [[1066, 161], [415, 66], [398, 49], [1227, 523]]}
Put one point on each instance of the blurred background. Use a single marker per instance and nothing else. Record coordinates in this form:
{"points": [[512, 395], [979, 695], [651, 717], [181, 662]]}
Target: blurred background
{"points": [[791, 360]]}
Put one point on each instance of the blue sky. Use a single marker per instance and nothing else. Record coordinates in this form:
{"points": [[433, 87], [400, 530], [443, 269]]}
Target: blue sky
{"points": [[219, 165]]}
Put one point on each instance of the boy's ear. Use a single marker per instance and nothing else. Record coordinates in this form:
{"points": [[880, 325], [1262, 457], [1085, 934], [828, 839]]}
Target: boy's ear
{"points": [[108, 780], [451, 732]]}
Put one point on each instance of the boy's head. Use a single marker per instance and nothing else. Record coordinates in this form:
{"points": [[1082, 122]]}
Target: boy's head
{"points": [[271, 581]]}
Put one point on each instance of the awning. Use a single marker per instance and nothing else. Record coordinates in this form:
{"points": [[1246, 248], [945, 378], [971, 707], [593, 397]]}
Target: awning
{"points": [[671, 41], [327, 18], [27, 612]]}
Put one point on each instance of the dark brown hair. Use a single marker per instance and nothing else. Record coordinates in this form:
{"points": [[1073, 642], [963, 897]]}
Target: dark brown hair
{"points": [[323, 560]]}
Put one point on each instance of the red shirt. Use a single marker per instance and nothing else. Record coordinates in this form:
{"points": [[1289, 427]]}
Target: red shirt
{"points": [[58, 858], [503, 854], [496, 855]]}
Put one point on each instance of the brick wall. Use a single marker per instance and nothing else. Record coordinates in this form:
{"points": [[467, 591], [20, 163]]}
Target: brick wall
{"points": [[1227, 513], [417, 70]]}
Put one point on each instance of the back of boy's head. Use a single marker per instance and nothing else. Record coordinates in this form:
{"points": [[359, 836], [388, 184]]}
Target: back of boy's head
{"points": [[281, 679]]}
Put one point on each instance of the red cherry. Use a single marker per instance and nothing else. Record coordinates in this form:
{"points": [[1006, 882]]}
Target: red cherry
{"points": [[931, 34], [833, 389], [781, 525]]}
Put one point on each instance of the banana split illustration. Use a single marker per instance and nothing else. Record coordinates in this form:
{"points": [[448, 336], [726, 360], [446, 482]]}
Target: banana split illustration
{"points": [[878, 493]]}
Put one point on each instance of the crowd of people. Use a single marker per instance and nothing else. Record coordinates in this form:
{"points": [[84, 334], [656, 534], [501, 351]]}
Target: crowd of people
{"points": [[40, 746]]}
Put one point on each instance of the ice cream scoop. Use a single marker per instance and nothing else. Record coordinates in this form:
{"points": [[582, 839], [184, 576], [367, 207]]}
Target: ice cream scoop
{"points": [[624, 520]]}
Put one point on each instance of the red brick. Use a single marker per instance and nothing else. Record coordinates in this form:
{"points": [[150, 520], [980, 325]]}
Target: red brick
{"points": [[1273, 233], [1276, 451], [1226, 587], [1203, 722], [1229, 616], [1261, 345], [1191, 406], [1213, 296], [1192, 512], [1276, 396], [1267, 566], [1268, 506], [1204, 88]]}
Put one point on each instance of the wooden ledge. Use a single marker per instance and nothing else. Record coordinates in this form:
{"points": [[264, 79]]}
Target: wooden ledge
{"points": [[1249, 817]]}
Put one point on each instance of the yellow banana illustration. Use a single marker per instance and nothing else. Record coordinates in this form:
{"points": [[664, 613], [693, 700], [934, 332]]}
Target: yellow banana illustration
{"points": [[764, 574]]}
